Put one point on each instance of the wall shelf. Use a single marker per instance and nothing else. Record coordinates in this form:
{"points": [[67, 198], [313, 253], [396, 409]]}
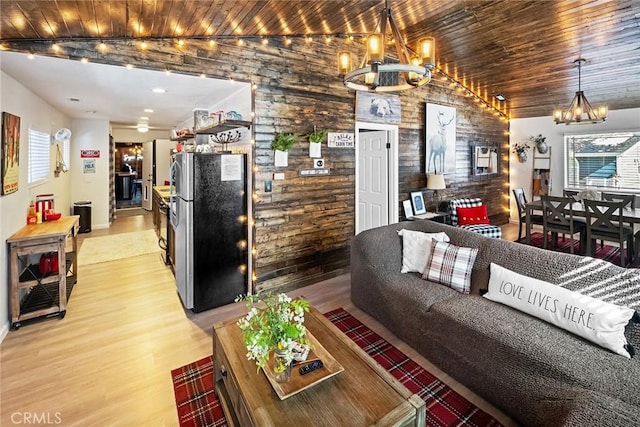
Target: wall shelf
{"points": [[224, 127], [183, 137]]}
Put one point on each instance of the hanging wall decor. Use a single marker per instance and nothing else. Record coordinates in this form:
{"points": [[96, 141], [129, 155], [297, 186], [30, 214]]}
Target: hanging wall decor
{"points": [[440, 139], [10, 152], [378, 108]]}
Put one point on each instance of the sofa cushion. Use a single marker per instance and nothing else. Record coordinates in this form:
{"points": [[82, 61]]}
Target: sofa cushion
{"points": [[475, 215], [526, 365], [598, 321], [416, 249], [451, 265]]}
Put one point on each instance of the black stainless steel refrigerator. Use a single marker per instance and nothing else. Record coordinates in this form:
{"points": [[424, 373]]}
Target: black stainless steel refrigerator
{"points": [[209, 216]]}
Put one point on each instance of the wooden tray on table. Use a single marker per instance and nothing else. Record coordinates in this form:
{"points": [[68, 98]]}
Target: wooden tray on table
{"points": [[298, 382]]}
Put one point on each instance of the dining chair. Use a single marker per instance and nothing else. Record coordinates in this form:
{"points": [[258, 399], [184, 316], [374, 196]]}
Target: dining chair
{"points": [[557, 217], [573, 195], [630, 202], [570, 193], [521, 201], [605, 221], [628, 199]]}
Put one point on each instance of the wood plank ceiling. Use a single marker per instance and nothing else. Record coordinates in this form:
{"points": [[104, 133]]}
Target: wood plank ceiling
{"points": [[521, 49]]}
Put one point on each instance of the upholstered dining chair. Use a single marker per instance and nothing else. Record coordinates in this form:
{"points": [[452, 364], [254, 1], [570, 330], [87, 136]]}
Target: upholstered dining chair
{"points": [[521, 201], [605, 222], [557, 217]]}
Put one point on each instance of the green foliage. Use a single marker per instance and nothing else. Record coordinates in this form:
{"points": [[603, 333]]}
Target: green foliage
{"points": [[274, 322], [318, 135], [520, 148], [284, 141], [538, 139]]}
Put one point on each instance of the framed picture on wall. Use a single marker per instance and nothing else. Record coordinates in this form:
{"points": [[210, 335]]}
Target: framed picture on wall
{"points": [[440, 129], [418, 203], [10, 152], [378, 108]]}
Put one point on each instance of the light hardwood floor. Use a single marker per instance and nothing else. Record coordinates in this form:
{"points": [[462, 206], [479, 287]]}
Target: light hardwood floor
{"points": [[108, 362]]}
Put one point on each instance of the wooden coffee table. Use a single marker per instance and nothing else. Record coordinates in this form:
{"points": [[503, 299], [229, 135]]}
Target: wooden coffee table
{"points": [[364, 394]]}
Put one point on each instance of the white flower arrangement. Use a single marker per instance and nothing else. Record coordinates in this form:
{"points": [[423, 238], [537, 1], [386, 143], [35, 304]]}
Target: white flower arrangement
{"points": [[276, 325]]}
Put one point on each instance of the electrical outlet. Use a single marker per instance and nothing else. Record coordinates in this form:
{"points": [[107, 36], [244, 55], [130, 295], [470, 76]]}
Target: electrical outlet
{"points": [[278, 176], [267, 186]]}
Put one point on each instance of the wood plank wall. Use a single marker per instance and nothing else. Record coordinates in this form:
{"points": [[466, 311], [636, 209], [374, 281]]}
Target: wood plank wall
{"points": [[303, 227]]}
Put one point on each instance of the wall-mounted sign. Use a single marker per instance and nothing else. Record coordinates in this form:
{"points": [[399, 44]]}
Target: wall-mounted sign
{"points": [[314, 172], [341, 140], [89, 166], [10, 153], [89, 154]]}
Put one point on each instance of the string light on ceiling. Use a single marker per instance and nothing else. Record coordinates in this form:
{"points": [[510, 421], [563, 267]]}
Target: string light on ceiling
{"points": [[415, 75]]}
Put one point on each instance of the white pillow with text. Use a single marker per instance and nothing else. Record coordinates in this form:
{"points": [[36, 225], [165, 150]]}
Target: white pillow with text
{"points": [[598, 321]]}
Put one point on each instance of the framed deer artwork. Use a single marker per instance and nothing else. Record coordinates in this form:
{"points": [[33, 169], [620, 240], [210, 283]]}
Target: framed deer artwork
{"points": [[440, 139]]}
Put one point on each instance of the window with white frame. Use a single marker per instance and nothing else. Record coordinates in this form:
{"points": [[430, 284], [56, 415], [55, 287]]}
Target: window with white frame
{"points": [[39, 153], [603, 161]]}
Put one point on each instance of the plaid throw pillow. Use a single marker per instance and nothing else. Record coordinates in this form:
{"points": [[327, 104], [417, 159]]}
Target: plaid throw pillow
{"points": [[451, 266]]}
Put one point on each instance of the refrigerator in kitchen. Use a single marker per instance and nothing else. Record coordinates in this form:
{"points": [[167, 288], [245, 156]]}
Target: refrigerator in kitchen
{"points": [[209, 217]]}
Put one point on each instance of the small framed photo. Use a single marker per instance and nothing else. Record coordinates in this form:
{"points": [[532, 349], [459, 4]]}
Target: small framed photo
{"points": [[408, 210], [418, 203]]}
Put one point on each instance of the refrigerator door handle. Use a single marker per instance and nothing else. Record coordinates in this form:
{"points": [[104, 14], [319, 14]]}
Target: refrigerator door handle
{"points": [[173, 202], [172, 172]]}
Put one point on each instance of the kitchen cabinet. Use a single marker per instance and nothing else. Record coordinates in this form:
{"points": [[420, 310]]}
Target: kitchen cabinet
{"points": [[47, 293]]}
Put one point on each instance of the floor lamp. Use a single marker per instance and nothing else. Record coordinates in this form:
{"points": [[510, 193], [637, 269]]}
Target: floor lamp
{"points": [[436, 182]]}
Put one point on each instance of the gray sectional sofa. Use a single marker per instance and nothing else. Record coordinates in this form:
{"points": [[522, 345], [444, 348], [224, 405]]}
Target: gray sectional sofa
{"points": [[537, 373]]}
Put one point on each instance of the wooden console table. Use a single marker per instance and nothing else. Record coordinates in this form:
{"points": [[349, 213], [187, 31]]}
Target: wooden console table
{"points": [[47, 294], [364, 394]]}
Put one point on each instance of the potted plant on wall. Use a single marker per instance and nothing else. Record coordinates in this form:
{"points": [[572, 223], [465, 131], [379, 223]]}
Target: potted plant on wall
{"points": [[521, 151], [315, 141], [541, 143], [281, 145]]}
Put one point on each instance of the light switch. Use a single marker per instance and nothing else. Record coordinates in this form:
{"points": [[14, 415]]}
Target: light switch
{"points": [[267, 186]]}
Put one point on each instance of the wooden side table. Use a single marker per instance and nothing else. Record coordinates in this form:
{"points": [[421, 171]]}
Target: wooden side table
{"points": [[47, 294], [442, 217]]}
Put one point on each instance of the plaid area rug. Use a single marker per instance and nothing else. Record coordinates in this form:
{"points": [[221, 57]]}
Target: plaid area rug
{"points": [[607, 253], [198, 405]]}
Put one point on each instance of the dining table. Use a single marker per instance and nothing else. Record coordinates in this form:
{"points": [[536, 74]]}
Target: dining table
{"points": [[629, 215]]}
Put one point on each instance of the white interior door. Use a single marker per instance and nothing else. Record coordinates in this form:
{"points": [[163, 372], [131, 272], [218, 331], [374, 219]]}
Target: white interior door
{"points": [[376, 187], [147, 174], [373, 180]]}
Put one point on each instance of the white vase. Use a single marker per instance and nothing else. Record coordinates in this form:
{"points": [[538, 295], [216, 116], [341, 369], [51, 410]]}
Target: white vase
{"points": [[315, 149], [281, 158]]}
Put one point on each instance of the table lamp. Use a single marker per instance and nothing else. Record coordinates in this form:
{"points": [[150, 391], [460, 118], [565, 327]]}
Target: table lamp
{"points": [[436, 182]]}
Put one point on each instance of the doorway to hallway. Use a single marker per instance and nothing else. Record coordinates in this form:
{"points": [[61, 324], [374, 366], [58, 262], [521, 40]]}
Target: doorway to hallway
{"points": [[128, 175]]}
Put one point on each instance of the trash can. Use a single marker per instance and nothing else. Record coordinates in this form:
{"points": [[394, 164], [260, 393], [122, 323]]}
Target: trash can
{"points": [[84, 210]]}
